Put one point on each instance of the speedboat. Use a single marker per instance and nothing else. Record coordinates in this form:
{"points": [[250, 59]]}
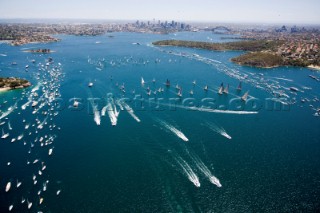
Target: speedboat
{"points": [[34, 103], [75, 103], [294, 89], [215, 181], [8, 186], [50, 151], [4, 135]]}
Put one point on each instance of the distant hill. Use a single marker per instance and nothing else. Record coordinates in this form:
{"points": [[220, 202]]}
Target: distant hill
{"points": [[262, 53]]}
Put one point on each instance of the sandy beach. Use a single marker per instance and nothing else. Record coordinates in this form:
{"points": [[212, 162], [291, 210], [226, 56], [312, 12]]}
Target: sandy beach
{"points": [[314, 67]]}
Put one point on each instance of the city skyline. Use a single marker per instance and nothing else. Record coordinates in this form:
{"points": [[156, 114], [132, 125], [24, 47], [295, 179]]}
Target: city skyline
{"points": [[245, 11]]}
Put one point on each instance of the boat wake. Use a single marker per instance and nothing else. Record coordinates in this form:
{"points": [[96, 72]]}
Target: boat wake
{"points": [[97, 118], [104, 110], [188, 171], [285, 79], [130, 111], [32, 94], [24, 106], [9, 111], [173, 129], [36, 88], [96, 112], [202, 109], [112, 112], [204, 169], [218, 129], [40, 126]]}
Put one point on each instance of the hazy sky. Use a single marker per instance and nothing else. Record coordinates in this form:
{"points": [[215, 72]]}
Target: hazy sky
{"points": [[267, 11]]}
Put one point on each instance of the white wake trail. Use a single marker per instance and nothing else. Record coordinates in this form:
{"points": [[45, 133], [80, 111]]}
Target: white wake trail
{"points": [[220, 130], [9, 111], [96, 112], [97, 118], [36, 88], [113, 113], [188, 171], [201, 109], [24, 106], [104, 110], [174, 130], [204, 169], [284, 79], [130, 111], [40, 126]]}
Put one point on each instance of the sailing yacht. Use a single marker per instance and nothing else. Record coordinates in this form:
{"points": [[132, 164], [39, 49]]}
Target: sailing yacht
{"points": [[18, 184], [191, 92], [29, 204], [226, 90], [180, 93], [142, 81], [206, 88], [239, 88], [221, 89], [177, 87], [245, 96], [194, 82], [168, 83], [90, 84], [4, 135]]}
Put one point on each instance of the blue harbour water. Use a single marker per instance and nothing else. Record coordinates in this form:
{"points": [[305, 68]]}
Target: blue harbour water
{"points": [[265, 152]]}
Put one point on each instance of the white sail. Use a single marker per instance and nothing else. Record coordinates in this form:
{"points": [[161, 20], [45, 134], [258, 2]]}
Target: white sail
{"points": [[245, 96]]}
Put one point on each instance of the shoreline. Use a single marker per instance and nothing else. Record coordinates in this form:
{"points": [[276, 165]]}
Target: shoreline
{"points": [[5, 89], [11, 83], [314, 67]]}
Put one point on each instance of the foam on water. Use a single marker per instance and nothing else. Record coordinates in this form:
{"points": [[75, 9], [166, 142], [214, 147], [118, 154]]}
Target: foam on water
{"points": [[173, 129]]}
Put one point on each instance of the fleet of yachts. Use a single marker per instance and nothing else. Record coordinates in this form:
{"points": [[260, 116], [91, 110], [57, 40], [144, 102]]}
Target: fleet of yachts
{"points": [[38, 132]]}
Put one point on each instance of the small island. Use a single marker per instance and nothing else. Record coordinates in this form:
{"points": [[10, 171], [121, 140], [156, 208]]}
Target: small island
{"points": [[44, 51], [13, 83], [261, 53]]}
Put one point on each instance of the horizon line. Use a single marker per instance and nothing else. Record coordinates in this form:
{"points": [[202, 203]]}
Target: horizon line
{"points": [[186, 21]]}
